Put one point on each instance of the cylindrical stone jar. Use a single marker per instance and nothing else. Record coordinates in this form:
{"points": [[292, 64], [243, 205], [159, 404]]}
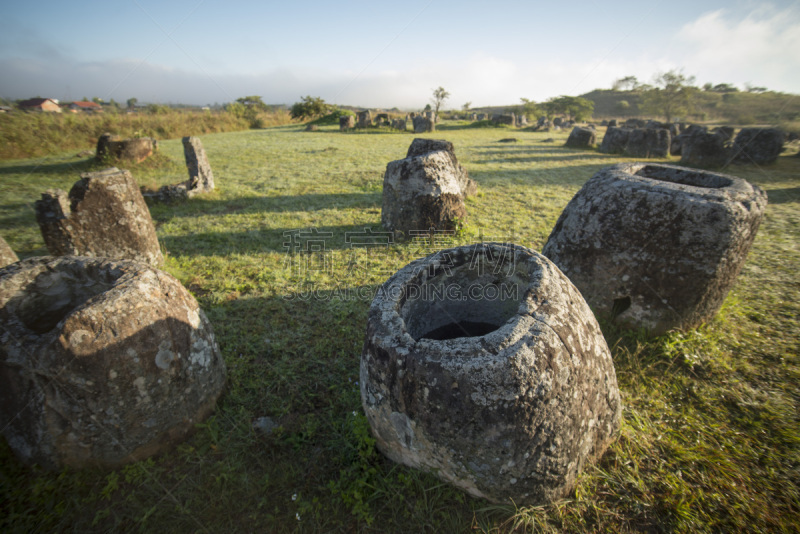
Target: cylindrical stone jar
{"points": [[484, 365], [102, 362], [657, 246]]}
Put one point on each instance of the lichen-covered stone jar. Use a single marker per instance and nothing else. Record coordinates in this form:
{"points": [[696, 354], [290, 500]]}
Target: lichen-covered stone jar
{"points": [[484, 365], [102, 362], [657, 246]]}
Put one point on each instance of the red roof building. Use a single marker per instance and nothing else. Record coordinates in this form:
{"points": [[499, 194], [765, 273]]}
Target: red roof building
{"points": [[40, 104], [91, 107]]}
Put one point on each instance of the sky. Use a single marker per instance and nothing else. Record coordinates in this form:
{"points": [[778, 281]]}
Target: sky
{"points": [[385, 54]]}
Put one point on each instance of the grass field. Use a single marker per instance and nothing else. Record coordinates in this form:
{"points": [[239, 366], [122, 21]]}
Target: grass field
{"points": [[710, 439]]}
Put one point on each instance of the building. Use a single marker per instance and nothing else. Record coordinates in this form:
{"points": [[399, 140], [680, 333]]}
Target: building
{"points": [[40, 104], [89, 107]]}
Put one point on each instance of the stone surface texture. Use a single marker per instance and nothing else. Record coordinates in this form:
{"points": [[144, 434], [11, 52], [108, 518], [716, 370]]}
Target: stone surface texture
{"points": [[7, 255], [102, 362], [104, 215], [581, 138], [614, 140], [136, 149], [515, 413], [421, 146], [347, 122], [704, 150], [364, 119], [761, 146], [423, 124], [657, 246], [201, 178], [647, 143], [424, 191]]}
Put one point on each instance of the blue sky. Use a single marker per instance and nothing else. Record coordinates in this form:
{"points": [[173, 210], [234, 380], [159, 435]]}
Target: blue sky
{"points": [[386, 53]]}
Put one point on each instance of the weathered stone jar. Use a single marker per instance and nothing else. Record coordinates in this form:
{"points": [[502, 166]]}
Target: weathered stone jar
{"points": [[101, 362], [657, 246], [484, 365]]}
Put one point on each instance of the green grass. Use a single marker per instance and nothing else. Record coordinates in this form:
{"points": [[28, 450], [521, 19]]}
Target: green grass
{"points": [[710, 439]]}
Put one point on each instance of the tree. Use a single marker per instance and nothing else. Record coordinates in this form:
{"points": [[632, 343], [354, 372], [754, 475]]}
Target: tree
{"points": [[673, 95], [132, 103], [753, 89], [574, 107], [310, 107], [529, 109], [439, 97], [466, 106], [253, 102], [628, 83]]}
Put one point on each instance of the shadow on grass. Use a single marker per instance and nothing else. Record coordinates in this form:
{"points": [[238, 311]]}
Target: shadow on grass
{"points": [[274, 204], [572, 175], [78, 166], [286, 240], [783, 196]]}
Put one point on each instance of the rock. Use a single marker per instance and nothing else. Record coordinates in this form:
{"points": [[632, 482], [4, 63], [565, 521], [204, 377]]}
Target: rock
{"points": [[423, 124], [612, 123], [604, 123], [522, 120], [508, 140], [581, 138], [265, 425], [423, 192], [347, 122], [647, 143], [761, 146], [103, 216], [483, 365], [420, 147], [509, 119], [364, 119], [430, 115], [400, 124], [724, 132], [548, 140], [657, 246], [102, 362], [635, 123], [312, 128], [7, 255], [382, 117], [111, 147], [705, 150], [102, 150], [482, 116], [201, 179], [558, 121], [614, 140]]}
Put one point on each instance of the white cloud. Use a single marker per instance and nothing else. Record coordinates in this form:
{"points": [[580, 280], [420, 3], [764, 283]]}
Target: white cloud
{"points": [[762, 48]]}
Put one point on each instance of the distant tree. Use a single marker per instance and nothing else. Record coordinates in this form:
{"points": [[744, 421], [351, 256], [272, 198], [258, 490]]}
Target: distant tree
{"points": [[427, 107], [440, 95], [673, 95], [97, 100], [254, 102], [724, 88], [574, 107], [753, 89], [529, 109], [628, 83], [623, 105], [85, 99], [131, 102], [310, 107], [466, 106]]}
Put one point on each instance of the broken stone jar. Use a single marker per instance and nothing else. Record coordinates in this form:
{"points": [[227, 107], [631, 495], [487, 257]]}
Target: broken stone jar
{"points": [[102, 362], [484, 365], [657, 246]]}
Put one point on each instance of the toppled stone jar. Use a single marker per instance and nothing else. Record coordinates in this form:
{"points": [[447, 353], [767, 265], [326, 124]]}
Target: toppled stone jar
{"points": [[484, 365], [102, 362], [657, 246]]}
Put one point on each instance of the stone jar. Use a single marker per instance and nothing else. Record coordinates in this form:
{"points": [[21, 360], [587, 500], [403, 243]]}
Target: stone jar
{"points": [[102, 362], [484, 365], [657, 246]]}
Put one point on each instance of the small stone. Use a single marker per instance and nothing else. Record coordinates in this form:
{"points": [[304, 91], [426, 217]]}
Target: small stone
{"points": [[7, 255], [265, 425]]}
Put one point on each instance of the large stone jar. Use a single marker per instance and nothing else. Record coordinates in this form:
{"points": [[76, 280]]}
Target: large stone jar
{"points": [[102, 362], [657, 246], [484, 365]]}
